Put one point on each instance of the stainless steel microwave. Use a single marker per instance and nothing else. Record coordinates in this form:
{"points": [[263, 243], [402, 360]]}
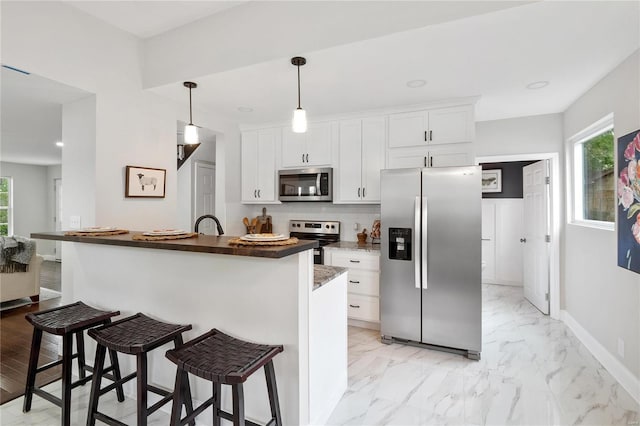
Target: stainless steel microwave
{"points": [[305, 185]]}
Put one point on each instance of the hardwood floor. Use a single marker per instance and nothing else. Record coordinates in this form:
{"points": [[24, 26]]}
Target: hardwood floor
{"points": [[15, 341]]}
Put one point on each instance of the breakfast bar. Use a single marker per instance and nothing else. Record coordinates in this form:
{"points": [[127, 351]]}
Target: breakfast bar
{"points": [[262, 294]]}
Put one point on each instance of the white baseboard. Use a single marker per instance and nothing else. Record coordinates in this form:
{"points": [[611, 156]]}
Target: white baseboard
{"points": [[49, 257], [626, 378], [364, 324]]}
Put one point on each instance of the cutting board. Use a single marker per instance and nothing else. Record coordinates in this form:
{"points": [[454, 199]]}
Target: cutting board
{"points": [[264, 222]]}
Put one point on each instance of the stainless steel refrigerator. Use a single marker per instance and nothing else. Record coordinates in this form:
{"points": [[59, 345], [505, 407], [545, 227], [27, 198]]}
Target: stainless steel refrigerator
{"points": [[430, 272]]}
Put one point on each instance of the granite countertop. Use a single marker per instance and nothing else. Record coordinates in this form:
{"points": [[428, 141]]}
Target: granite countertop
{"points": [[353, 245], [322, 274], [201, 244]]}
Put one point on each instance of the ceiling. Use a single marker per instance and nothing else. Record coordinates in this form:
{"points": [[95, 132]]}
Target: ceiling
{"points": [[32, 117], [493, 55]]}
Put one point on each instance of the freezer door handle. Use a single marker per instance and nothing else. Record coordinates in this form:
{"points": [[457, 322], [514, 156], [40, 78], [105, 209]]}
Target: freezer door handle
{"points": [[423, 240], [416, 246]]}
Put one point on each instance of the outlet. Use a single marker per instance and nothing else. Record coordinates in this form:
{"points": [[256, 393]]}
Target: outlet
{"points": [[621, 347], [356, 226], [74, 222]]}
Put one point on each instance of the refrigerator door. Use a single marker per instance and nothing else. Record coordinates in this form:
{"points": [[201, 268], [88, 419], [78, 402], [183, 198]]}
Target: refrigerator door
{"points": [[452, 292], [400, 256]]}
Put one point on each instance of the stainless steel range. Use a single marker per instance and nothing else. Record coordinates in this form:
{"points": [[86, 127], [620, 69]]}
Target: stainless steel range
{"points": [[324, 232]]}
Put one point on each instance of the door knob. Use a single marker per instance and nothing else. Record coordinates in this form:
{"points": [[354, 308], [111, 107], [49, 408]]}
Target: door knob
{"points": [[523, 240]]}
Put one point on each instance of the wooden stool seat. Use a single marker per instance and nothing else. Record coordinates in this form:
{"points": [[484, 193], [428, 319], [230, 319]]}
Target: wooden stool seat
{"points": [[135, 335], [67, 321], [223, 359]]}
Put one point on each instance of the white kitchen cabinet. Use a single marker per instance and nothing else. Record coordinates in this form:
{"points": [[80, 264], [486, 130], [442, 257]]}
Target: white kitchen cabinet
{"points": [[259, 166], [434, 156], [361, 157], [312, 148], [431, 127], [363, 281]]}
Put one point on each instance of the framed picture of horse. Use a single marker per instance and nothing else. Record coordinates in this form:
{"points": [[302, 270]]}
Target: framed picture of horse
{"points": [[144, 182]]}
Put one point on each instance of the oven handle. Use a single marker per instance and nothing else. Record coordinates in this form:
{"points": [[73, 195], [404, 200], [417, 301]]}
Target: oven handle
{"points": [[318, 190]]}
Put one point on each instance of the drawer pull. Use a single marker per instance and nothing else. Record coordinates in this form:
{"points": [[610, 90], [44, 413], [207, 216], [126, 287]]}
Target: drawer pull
{"points": [[354, 306], [354, 261], [354, 282]]}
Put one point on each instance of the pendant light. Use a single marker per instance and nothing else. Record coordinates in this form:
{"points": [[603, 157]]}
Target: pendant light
{"points": [[299, 122], [190, 130]]}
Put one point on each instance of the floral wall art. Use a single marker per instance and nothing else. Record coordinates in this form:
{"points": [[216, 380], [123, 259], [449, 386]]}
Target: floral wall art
{"points": [[629, 201]]}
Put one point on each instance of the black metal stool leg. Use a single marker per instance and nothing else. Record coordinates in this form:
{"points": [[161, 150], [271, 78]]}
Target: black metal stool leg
{"points": [[80, 350], [270, 375], [113, 355], [238, 404], [142, 388], [33, 366], [184, 390], [98, 367], [67, 364], [217, 390], [176, 407]]}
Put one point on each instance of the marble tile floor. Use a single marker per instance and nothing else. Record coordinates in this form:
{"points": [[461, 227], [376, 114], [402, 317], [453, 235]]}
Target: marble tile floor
{"points": [[533, 371]]}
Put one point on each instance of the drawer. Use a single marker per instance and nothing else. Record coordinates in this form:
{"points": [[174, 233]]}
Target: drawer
{"points": [[356, 260], [365, 308], [363, 282]]}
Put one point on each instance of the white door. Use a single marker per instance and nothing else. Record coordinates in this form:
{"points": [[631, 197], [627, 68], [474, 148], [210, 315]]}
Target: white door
{"points": [[373, 138], [407, 158], [350, 152], [451, 125], [318, 143], [249, 158], [204, 192], [267, 165], [536, 229], [450, 157], [57, 187], [294, 148], [408, 129]]}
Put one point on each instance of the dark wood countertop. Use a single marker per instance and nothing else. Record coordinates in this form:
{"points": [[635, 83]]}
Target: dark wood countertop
{"points": [[201, 244]]}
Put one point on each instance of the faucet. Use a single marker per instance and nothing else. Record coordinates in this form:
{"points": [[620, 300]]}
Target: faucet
{"points": [[210, 216]]}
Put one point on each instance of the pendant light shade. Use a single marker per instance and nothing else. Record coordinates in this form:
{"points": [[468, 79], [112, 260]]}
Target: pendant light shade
{"points": [[190, 130], [299, 122]]}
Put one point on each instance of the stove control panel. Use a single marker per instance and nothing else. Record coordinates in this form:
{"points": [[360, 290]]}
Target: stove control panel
{"points": [[309, 227]]}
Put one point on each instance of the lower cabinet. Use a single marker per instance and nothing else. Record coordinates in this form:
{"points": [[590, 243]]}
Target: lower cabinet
{"points": [[363, 281]]}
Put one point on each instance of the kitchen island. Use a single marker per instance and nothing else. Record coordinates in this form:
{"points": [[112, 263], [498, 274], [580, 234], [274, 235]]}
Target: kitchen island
{"points": [[259, 294]]}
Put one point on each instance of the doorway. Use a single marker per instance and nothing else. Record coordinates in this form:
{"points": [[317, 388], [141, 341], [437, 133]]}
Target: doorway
{"points": [[57, 218], [204, 194], [551, 252]]}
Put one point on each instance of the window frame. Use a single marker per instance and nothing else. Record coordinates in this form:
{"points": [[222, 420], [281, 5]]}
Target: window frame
{"points": [[9, 207], [577, 141]]}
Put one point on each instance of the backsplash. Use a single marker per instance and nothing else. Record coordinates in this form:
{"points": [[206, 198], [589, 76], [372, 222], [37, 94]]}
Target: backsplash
{"points": [[347, 214]]}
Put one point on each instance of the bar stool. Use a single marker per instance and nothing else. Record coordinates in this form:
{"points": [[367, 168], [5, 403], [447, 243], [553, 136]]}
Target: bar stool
{"points": [[134, 335], [222, 359], [66, 321]]}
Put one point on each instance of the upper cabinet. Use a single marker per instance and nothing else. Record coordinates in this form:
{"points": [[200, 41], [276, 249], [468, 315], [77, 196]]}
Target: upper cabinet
{"points": [[361, 152], [431, 127], [259, 166], [313, 148]]}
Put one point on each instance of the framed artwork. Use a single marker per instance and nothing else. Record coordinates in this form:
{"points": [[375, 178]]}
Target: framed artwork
{"points": [[492, 180], [144, 182], [628, 184]]}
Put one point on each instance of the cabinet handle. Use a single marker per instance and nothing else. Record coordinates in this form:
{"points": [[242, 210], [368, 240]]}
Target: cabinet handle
{"points": [[354, 261], [363, 188], [258, 193], [431, 161], [255, 193], [354, 306], [486, 239], [303, 158], [425, 161], [307, 158], [425, 136], [431, 135], [354, 282], [358, 192], [523, 240]]}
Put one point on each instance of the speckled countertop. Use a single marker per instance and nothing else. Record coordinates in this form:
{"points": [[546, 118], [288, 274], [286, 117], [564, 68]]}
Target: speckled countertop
{"points": [[353, 245], [322, 274]]}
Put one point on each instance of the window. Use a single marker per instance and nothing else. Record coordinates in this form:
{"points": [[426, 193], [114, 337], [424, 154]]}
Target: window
{"points": [[6, 225], [594, 177]]}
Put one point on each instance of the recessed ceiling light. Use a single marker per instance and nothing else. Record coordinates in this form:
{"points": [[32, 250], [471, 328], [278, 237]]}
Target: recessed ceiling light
{"points": [[245, 109], [416, 83], [60, 144], [537, 84]]}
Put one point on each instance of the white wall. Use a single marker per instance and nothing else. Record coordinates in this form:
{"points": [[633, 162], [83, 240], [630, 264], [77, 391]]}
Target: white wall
{"points": [[30, 198], [132, 126], [602, 297], [53, 172]]}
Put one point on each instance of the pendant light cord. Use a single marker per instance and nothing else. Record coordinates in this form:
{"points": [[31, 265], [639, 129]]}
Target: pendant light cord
{"points": [[299, 87], [190, 109]]}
